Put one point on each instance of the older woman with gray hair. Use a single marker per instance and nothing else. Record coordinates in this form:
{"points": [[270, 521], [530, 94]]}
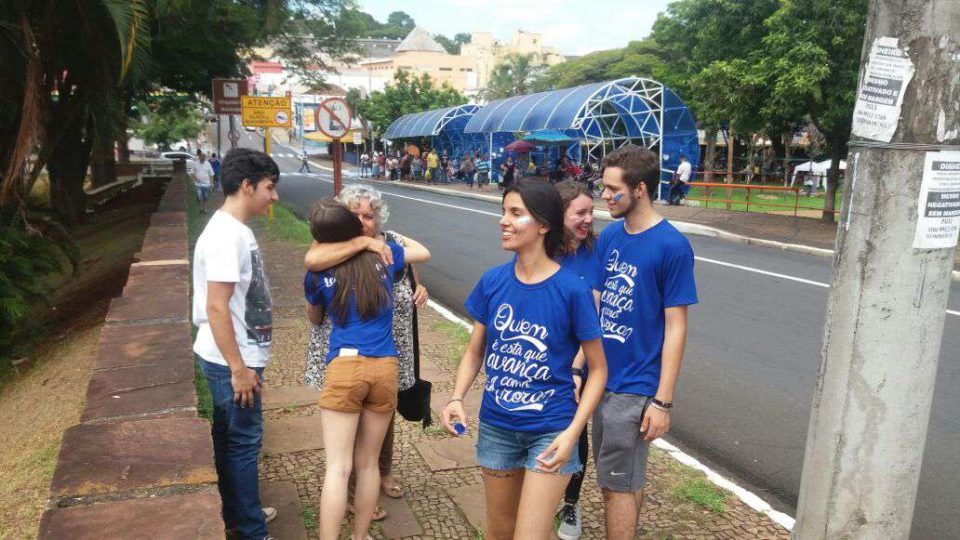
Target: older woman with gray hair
{"points": [[368, 205]]}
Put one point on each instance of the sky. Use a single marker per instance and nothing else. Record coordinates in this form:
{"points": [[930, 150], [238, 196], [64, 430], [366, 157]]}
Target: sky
{"points": [[575, 27]]}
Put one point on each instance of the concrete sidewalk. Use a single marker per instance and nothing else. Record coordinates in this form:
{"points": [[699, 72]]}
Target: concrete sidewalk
{"points": [[443, 492]]}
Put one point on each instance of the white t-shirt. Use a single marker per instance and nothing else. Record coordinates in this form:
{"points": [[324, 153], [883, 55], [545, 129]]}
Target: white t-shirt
{"points": [[228, 252], [683, 171], [202, 173]]}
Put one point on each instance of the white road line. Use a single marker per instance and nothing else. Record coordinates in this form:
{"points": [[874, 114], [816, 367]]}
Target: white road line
{"points": [[703, 259], [750, 499]]}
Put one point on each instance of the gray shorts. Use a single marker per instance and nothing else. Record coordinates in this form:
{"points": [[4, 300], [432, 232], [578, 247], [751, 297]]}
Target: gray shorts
{"points": [[619, 451]]}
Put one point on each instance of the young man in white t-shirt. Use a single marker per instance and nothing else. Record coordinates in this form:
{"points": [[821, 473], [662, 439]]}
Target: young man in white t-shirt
{"points": [[233, 312], [680, 180], [202, 173]]}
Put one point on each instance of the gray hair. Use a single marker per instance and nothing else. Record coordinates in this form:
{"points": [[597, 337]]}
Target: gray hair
{"points": [[352, 195]]}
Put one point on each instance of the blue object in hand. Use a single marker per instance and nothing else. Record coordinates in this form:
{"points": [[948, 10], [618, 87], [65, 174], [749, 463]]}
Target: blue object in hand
{"points": [[459, 428]]}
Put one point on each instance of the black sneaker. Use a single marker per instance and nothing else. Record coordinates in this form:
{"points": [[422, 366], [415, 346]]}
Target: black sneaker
{"points": [[570, 527]]}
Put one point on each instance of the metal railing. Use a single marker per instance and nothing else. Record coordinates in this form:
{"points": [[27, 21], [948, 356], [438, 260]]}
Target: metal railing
{"points": [[750, 196]]}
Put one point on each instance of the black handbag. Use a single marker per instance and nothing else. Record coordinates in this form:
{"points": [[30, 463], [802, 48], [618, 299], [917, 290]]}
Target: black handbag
{"points": [[413, 404]]}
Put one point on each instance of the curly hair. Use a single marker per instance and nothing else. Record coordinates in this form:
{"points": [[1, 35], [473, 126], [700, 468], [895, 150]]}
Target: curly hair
{"points": [[354, 193]]}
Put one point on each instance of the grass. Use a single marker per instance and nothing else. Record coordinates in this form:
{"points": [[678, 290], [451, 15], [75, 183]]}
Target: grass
{"points": [[758, 198], [286, 226], [460, 338], [701, 492], [309, 515], [195, 224]]}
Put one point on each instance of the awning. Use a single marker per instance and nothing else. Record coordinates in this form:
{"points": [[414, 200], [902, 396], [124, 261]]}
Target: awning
{"points": [[548, 136], [556, 109], [428, 123]]}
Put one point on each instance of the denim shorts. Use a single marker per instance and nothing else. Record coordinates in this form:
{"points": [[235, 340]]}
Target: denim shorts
{"points": [[501, 450], [203, 193]]}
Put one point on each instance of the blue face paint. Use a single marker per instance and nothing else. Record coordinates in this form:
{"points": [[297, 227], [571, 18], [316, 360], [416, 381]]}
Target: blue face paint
{"points": [[617, 197]]}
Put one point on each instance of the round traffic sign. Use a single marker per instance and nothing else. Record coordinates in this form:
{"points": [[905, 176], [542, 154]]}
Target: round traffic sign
{"points": [[282, 117], [233, 135], [333, 118]]}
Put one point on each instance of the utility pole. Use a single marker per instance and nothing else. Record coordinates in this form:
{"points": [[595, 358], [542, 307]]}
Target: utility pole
{"points": [[889, 288]]}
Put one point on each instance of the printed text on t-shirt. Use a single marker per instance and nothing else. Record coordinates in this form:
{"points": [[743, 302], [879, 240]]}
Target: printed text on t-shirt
{"points": [[516, 359], [617, 297]]}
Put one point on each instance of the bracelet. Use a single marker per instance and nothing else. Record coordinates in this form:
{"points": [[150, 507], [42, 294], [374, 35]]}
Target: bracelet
{"points": [[659, 408], [578, 372], [662, 404], [451, 400]]}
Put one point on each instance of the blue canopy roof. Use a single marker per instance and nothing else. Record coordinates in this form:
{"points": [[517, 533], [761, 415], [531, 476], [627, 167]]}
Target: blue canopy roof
{"points": [[427, 123], [556, 109]]}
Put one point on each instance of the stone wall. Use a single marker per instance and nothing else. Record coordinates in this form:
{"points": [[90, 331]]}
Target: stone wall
{"points": [[140, 463]]}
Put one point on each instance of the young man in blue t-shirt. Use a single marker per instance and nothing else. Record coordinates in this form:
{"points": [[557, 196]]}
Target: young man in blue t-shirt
{"points": [[646, 283]]}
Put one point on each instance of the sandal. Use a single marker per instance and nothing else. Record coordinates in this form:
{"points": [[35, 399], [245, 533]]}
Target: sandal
{"points": [[394, 491], [379, 514]]}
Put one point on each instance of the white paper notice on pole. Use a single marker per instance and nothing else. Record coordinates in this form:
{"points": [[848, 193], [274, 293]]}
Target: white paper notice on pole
{"points": [[938, 210], [877, 111]]}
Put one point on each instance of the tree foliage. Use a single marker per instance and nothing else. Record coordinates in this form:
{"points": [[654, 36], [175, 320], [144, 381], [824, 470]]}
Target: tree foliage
{"points": [[168, 118], [406, 94], [515, 75]]}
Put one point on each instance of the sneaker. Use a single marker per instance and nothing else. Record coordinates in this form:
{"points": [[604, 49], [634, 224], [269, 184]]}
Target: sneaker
{"points": [[269, 514], [570, 528]]}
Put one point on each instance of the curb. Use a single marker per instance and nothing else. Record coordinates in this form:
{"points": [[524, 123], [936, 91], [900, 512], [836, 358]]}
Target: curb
{"points": [[682, 226], [748, 498]]}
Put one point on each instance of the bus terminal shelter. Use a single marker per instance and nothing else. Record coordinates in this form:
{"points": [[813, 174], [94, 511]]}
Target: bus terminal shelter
{"points": [[598, 117]]}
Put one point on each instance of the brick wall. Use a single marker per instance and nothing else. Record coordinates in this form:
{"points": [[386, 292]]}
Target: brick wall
{"points": [[140, 463]]}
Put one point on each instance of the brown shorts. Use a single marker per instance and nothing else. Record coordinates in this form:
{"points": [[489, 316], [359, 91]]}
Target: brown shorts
{"points": [[354, 383]]}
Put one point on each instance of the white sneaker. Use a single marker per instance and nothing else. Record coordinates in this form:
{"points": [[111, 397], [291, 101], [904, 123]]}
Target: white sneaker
{"points": [[570, 526], [269, 514]]}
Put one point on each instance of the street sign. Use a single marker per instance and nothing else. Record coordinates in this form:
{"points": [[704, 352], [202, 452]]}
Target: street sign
{"points": [[233, 135], [333, 118], [357, 138], [227, 94], [260, 111]]}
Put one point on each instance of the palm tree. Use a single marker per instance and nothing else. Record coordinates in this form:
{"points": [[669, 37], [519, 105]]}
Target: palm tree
{"points": [[67, 60], [514, 76]]}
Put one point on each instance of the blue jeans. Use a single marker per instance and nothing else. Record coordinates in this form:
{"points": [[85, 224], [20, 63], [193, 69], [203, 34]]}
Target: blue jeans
{"points": [[237, 438], [500, 449]]}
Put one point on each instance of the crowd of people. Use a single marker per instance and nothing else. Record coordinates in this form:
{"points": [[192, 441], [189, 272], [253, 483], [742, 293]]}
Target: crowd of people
{"points": [[473, 168], [575, 328]]}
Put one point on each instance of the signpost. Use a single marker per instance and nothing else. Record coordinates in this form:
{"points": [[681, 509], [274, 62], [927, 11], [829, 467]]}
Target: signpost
{"points": [[226, 100], [265, 112], [333, 120]]}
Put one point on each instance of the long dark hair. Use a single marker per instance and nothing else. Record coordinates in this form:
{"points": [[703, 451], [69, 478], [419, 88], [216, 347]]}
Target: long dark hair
{"points": [[360, 276], [544, 204], [570, 190]]}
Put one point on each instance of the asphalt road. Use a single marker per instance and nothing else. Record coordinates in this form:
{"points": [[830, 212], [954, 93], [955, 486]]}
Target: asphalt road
{"points": [[753, 349]]}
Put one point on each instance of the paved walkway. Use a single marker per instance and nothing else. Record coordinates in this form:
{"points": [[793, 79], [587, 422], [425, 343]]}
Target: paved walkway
{"points": [[443, 493]]}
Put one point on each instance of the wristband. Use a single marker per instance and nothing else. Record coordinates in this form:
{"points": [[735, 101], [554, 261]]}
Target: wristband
{"points": [[451, 400], [661, 404], [577, 371]]}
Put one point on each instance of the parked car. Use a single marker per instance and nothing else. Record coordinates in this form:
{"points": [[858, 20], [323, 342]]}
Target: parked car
{"points": [[178, 155]]}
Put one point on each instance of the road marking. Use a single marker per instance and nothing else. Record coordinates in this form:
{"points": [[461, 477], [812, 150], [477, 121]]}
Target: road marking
{"points": [[703, 259], [748, 498]]}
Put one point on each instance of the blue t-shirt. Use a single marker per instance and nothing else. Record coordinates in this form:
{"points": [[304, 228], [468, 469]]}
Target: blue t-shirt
{"points": [[640, 276], [583, 263], [533, 334], [371, 337]]}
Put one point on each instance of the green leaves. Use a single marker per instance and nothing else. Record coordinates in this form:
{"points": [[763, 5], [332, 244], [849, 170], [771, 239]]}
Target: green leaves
{"points": [[407, 94]]}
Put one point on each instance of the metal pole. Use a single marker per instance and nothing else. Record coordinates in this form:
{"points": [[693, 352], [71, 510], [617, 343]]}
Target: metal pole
{"points": [[233, 140], [337, 171], [887, 303], [219, 137]]}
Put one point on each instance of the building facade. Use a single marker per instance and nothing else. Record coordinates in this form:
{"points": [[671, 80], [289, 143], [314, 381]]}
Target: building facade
{"points": [[489, 51]]}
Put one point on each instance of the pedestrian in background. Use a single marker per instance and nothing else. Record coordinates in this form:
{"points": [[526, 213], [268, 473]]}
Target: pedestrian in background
{"points": [[304, 161], [483, 172], [215, 165], [202, 173]]}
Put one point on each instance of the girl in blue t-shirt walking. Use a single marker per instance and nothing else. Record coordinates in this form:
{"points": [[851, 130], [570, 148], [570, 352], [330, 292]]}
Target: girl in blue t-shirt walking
{"points": [[359, 395], [531, 318]]}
